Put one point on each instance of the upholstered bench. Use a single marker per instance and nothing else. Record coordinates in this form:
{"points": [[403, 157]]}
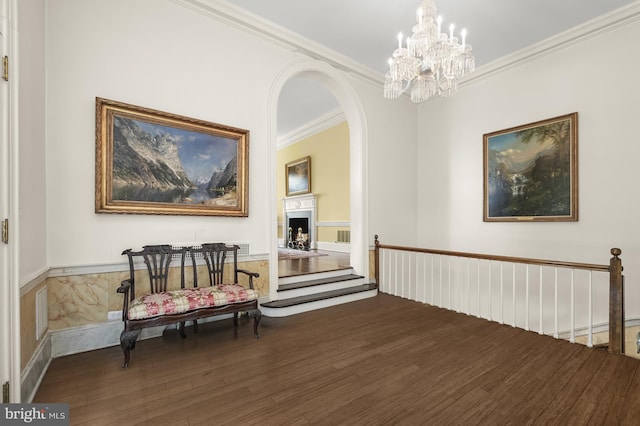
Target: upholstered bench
{"points": [[164, 306], [188, 299]]}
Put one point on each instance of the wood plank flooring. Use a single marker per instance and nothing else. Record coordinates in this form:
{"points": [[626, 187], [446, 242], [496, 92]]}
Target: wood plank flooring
{"points": [[378, 361]]}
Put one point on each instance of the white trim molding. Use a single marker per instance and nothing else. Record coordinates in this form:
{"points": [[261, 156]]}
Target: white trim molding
{"points": [[313, 127]]}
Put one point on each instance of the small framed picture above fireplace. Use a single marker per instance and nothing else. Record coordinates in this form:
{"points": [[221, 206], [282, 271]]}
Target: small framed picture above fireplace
{"points": [[298, 176]]}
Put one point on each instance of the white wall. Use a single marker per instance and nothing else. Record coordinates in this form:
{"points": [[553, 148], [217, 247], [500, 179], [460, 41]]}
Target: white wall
{"points": [[391, 168], [595, 77], [159, 55], [31, 110]]}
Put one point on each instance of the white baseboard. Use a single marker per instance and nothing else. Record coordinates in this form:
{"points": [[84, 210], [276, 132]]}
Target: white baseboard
{"points": [[35, 370], [103, 335], [333, 246]]}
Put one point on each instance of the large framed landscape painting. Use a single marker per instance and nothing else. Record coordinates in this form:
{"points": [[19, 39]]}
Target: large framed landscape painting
{"points": [[531, 172], [153, 162]]}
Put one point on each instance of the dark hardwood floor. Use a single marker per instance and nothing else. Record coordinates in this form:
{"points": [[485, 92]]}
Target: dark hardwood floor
{"points": [[329, 261], [378, 361]]}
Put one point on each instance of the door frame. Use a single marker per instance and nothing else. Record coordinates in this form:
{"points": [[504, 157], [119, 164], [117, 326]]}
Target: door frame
{"points": [[10, 365]]}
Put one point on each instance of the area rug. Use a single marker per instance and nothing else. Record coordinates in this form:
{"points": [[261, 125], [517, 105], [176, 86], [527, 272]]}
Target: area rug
{"points": [[286, 253]]}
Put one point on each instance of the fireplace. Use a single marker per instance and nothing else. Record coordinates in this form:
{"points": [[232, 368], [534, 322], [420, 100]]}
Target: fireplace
{"points": [[300, 222], [297, 228]]}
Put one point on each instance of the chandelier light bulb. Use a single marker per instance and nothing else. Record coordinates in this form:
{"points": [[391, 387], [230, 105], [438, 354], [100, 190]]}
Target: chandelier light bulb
{"points": [[399, 40], [463, 34]]}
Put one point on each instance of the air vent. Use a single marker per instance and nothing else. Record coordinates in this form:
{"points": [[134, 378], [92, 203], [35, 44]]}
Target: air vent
{"points": [[344, 237], [244, 247]]}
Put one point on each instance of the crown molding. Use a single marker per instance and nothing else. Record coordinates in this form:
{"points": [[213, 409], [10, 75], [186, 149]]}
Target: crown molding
{"points": [[313, 127], [236, 17], [227, 13], [598, 26]]}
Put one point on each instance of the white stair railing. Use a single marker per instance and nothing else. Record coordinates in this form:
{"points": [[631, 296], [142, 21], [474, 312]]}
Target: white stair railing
{"points": [[559, 299]]}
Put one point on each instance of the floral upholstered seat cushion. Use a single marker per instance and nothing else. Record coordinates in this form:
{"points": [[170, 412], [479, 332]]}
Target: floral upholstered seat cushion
{"points": [[188, 299]]}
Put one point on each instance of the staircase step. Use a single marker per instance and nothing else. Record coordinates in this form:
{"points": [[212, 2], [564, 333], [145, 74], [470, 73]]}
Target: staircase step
{"points": [[317, 282], [313, 276], [319, 296]]}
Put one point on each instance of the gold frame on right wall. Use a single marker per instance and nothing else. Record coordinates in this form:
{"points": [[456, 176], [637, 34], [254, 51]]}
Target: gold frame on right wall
{"points": [[531, 172]]}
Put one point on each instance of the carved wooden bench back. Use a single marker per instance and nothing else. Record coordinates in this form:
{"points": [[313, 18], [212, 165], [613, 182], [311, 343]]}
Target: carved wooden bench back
{"points": [[215, 256], [157, 259]]}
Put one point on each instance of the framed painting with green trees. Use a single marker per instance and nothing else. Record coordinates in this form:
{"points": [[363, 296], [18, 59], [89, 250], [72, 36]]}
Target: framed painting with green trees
{"points": [[531, 172]]}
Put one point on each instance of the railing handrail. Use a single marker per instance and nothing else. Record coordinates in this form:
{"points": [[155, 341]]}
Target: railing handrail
{"points": [[616, 280], [511, 259]]}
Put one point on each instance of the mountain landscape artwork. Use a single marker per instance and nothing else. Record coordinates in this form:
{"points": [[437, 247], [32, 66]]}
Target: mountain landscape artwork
{"points": [[531, 172], [161, 163]]}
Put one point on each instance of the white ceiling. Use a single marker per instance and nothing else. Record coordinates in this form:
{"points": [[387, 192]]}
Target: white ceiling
{"points": [[365, 31]]}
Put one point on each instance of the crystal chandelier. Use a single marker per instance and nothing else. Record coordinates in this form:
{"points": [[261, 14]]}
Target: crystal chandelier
{"points": [[432, 61]]}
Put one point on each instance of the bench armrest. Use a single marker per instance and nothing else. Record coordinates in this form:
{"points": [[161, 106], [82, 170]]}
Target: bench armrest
{"points": [[251, 276], [124, 288]]}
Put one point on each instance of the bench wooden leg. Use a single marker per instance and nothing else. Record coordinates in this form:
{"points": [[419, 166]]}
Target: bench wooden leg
{"points": [[257, 316], [128, 343]]}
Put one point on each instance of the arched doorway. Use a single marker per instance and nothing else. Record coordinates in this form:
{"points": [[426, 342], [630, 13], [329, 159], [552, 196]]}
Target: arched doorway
{"points": [[346, 96]]}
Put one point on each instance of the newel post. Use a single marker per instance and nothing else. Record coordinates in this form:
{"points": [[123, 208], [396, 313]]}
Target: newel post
{"points": [[376, 261], [616, 303]]}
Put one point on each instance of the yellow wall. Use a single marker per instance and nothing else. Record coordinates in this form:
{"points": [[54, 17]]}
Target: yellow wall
{"points": [[329, 152]]}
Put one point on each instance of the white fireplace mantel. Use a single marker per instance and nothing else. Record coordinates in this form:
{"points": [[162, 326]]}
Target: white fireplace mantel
{"points": [[304, 202], [300, 204]]}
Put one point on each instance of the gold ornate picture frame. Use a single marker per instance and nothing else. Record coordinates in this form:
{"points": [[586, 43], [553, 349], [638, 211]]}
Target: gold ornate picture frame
{"points": [[154, 162], [531, 172], [298, 176]]}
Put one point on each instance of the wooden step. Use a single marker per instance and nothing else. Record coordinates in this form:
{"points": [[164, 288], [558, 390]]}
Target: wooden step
{"points": [[283, 303], [317, 282], [309, 302]]}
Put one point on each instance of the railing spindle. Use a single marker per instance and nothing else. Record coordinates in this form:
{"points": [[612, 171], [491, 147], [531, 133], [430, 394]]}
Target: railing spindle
{"points": [[555, 304], [501, 293], [459, 289], [541, 313], [513, 284], [440, 272], [572, 339], [490, 316], [449, 284], [468, 286], [590, 330], [479, 308], [526, 302]]}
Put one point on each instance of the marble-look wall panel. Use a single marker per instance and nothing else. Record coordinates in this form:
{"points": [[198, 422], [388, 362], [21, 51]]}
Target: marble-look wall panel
{"points": [[77, 300], [28, 342], [114, 299], [85, 299], [261, 284]]}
